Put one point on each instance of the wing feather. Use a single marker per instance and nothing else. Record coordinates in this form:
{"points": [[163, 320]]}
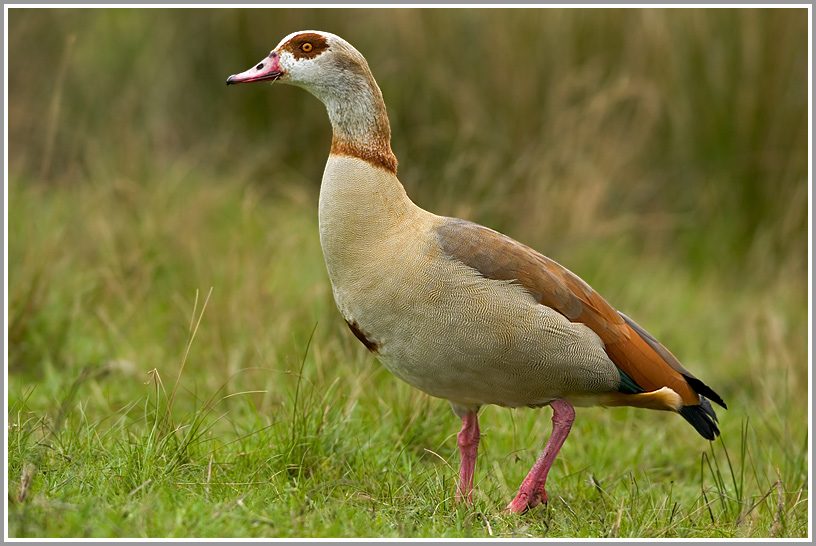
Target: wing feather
{"points": [[629, 346]]}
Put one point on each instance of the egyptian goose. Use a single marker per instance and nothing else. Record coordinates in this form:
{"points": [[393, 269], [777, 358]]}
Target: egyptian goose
{"points": [[455, 309]]}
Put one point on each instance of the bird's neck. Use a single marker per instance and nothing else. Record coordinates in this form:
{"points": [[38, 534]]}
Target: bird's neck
{"points": [[360, 126], [363, 205]]}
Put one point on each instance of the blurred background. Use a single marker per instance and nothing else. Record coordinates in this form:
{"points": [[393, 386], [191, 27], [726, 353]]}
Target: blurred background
{"points": [[660, 154], [679, 127]]}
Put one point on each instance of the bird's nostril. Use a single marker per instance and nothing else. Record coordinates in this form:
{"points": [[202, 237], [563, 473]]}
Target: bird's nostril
{"points": [[259, 66]]}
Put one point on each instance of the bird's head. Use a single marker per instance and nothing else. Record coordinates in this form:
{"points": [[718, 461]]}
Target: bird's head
{"points": [[317, 61]]}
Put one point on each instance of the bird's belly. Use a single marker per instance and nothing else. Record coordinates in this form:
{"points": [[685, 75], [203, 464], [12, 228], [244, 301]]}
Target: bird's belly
{"points": [[478, 360], [446, 330]]}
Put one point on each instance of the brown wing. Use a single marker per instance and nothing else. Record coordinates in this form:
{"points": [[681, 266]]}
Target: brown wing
{"points": [[632, 349]]}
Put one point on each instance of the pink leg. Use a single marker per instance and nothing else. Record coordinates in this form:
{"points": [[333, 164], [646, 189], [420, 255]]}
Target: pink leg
{"points": [[468, 440], [532, 491]]}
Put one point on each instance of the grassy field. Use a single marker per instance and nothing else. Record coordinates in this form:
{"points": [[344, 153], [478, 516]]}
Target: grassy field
{"points": [[176, 366]]}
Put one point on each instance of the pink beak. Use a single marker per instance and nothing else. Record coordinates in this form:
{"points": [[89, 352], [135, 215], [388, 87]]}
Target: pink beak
{"points": [[266, 70]]}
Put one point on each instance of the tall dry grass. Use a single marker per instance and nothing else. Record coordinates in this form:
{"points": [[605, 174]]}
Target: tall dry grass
{"points": [[674, 128]]}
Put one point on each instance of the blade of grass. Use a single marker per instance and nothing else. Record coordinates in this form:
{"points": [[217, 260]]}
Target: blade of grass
{"points": [[189, 344]]}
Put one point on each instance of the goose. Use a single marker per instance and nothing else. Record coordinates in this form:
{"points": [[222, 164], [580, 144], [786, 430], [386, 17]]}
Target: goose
{"points": [[455, 309]]}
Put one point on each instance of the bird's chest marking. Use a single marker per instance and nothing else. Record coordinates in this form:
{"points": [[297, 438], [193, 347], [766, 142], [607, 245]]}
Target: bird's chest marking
{"points": [[365, 338]]}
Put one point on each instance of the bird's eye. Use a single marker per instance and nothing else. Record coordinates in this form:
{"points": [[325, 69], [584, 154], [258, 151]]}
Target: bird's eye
{"points": [[306, 47]]}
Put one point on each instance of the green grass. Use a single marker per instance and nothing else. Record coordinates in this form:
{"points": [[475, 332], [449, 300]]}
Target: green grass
{"points": [[281, 425], [176, 365]]}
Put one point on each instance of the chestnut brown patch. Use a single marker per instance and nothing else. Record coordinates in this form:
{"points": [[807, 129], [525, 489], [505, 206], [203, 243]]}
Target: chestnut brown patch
{"points": [[370, 344], [307, 45], [379, 155]]}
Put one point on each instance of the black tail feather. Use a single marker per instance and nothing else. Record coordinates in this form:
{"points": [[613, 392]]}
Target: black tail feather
{"points": [[704, 390], [702, 418]]}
